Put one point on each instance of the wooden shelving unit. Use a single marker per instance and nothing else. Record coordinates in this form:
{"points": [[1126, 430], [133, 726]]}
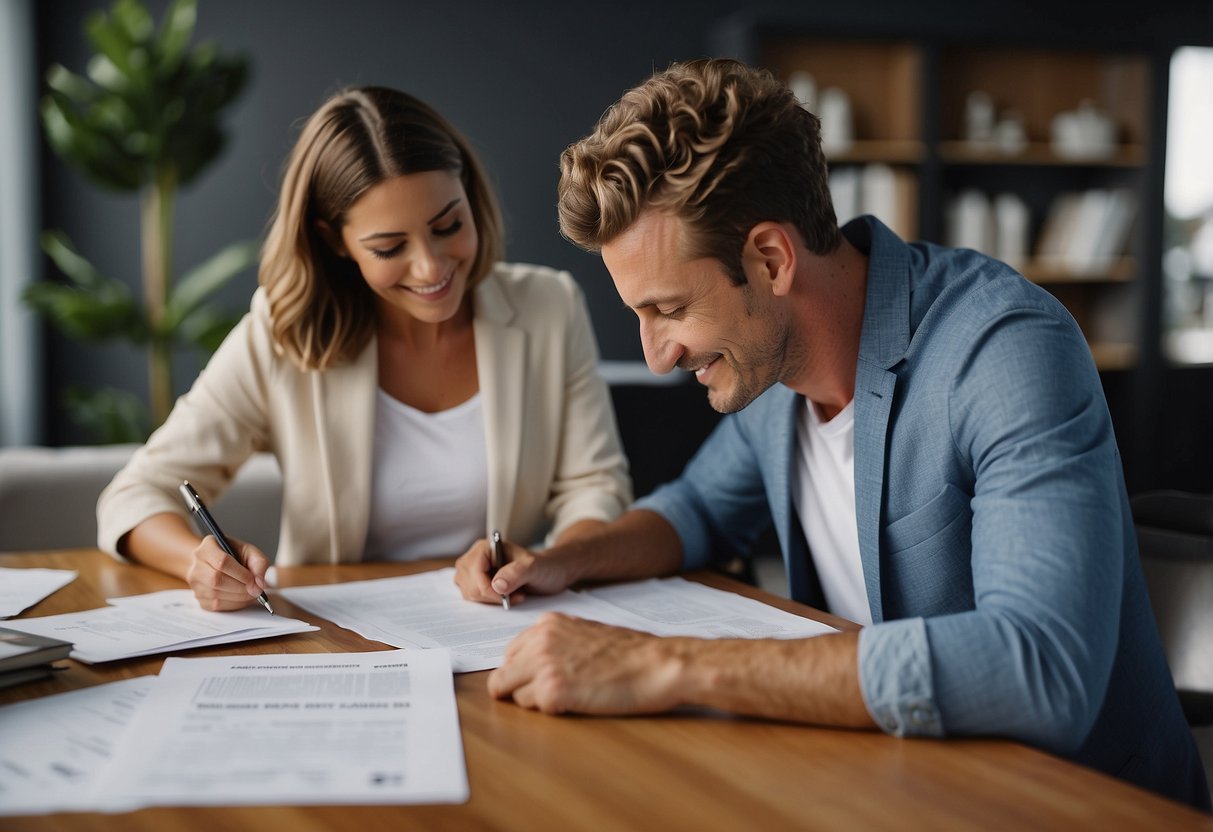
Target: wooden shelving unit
{"points": [[908, 104], [1037, 153]]}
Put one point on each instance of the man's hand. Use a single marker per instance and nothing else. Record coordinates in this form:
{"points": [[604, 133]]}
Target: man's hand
{"points": [[523, 572], [564, 664], [219, 582]]}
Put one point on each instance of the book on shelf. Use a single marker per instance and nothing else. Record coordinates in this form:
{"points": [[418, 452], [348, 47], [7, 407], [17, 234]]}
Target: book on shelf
{"points": [[1086, 231], [25, 657]]}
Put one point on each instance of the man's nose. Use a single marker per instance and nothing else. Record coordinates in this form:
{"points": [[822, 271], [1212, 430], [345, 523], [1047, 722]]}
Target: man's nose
{"points": [[660, 352]]}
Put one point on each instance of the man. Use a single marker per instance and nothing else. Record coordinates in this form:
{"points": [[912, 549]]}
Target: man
{"points": [[924, 426]]}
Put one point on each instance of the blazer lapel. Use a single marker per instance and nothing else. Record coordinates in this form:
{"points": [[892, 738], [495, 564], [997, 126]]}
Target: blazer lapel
{"points": [[873, 399], [501, 367], [883, 344], [345, 405]]}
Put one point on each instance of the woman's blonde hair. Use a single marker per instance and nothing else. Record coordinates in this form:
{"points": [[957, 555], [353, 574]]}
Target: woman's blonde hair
{"points": [[715, 142], [321, 310]]}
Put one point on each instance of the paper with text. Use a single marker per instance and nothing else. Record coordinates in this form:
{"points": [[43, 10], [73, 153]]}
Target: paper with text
{"points": [[426, 610], [142, 625], [54, 749], [325, 728], [678, 607], [21, 588]]}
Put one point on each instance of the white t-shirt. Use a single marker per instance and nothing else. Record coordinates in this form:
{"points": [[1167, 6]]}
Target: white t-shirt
{"points": [[429, 480], [823, 492]]}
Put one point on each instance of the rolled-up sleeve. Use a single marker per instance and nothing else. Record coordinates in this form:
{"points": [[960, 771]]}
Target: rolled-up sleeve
{"points": [[719, 504], [1033, 658]]}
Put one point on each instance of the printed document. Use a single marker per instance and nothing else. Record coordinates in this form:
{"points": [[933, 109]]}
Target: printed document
{"points": [[426, 610], [53, 749], [326, 728], [21, 588], [158, 622], [678, 607]]}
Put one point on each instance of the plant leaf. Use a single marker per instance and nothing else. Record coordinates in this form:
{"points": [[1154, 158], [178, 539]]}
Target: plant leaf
{"points": [[59, 248], [113, 47], [175, 32], [114, 416], [207, 327], [84, 315], [205, 279], [133, 20], [69, 84], [87, 145], [92, 307]]}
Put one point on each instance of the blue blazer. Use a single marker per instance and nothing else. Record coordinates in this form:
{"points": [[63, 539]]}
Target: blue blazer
{"points": [[999, 554]]}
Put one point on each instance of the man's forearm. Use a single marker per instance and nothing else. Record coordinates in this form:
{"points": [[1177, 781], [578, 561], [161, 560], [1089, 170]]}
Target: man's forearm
{"points": [[568, 665], [814, 680], [640, 544]]}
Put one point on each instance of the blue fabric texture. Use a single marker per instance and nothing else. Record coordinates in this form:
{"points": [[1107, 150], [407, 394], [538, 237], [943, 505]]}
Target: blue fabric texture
{"points": [[998, 550]]}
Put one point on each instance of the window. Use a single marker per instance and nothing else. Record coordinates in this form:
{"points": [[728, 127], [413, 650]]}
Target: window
{"points": [[1188, 197]]}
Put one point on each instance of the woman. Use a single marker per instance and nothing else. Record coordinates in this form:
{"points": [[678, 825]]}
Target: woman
{"points": [[414, 390]]}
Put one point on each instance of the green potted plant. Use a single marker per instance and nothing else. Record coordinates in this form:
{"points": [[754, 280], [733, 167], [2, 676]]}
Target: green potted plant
{"points": [[145, 117]]}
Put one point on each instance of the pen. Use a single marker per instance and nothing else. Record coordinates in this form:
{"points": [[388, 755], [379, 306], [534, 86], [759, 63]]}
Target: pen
{"points": [[198, 509], [498, 562]]}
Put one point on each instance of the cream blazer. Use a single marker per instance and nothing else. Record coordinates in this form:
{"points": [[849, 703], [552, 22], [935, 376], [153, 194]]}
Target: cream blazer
{"points": [[554, 455]]}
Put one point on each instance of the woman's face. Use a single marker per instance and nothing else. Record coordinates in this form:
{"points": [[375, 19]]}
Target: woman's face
{"points": [[414, 240]]}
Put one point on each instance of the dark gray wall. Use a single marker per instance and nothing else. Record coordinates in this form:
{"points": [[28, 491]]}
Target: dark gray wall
{"points": [[521, 79]]}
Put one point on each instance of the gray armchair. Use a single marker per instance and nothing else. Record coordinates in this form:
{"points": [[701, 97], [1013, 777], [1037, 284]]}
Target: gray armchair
{"points": [[48, 497]]}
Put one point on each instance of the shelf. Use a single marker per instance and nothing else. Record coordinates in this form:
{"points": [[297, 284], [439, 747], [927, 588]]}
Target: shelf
{"points": [[1114, 356], [889, 151], [1038, 84], [1120, 270], [908, 102], [1037, 153]]}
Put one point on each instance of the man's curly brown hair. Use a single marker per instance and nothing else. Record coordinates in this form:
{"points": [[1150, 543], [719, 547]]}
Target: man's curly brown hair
{"points": [[715, 142]]}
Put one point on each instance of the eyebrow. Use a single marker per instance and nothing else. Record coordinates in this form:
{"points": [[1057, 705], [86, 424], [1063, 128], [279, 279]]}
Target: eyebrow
{"points": [[446, 209]]}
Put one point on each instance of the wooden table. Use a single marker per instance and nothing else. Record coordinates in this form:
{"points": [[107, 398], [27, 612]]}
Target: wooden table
{"points": [[688, 770]]}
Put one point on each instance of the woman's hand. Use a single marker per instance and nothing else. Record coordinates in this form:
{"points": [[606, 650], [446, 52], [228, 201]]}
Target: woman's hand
{"points": [[219, 582]]}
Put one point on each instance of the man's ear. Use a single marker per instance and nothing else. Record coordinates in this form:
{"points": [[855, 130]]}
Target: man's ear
{"points": [[770, 253], [331, 238]]}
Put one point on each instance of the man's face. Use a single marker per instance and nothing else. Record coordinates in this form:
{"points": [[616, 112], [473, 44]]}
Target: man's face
{"points": [[733, 338]]}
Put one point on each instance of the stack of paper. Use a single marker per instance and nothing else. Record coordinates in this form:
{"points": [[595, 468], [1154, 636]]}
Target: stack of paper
{"points": [[160, 622], [53, 749], [427, 610], [379, 727], [20, 588], [331, 728]]}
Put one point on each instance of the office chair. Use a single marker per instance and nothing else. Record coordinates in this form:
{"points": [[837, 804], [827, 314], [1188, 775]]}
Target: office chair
{"points": [[1175, 536]]}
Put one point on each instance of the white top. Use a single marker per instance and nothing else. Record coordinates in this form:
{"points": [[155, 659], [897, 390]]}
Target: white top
{"points": [[823, 492], [429, 480]]}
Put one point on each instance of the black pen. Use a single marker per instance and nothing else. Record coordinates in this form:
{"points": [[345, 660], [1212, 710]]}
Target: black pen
{"points": [[198, 509], [498, 555]]}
